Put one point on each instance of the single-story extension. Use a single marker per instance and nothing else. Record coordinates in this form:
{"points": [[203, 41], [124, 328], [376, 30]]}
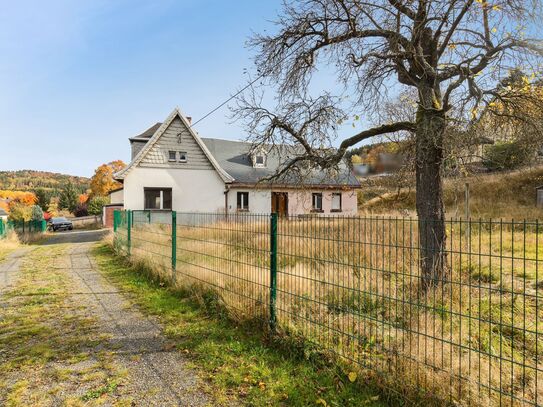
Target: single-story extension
{"points": [[173, 168], [115, 203]]}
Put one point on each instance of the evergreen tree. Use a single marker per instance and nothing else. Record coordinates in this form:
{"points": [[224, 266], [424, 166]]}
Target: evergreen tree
{"points": [[37, 213], [43, 197], [68, 198]]}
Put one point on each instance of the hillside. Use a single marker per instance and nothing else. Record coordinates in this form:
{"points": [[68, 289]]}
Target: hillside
{"points": [[25, 180], [496, 195]]}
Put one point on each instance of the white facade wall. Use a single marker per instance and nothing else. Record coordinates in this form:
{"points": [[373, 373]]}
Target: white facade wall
{"points": [[299, 202], [259, 200], [192, 190]]}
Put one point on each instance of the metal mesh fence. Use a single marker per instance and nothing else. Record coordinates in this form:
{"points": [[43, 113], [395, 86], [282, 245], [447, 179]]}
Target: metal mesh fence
{"points": [[23, 227], [352, 286]]}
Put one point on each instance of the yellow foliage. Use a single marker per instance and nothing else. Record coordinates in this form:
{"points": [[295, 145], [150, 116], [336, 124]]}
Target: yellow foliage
{"points": [[22, 197], [102, 181]]}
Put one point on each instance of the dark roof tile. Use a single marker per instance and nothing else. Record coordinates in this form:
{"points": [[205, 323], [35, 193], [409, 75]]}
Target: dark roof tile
{"points": [[147, 134]]}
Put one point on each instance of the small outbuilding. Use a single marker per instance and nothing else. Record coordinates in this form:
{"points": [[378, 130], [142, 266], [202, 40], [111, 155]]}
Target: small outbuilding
{"points": [[3, 215], [539, 196]]}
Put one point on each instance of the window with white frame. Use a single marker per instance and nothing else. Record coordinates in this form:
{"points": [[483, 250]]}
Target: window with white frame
{"points": [[243, 201], [157, 198], [182, 156], [317, 202], [336, 202], [172, 156], [259, 159]]}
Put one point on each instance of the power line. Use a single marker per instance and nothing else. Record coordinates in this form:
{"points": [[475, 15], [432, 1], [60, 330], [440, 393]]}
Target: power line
{"points": [[228, 100], [244, 88]]}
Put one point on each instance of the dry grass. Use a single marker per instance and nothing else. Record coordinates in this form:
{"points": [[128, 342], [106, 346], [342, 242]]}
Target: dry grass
{"points": [[352, 286], [8, 244], [511, 194]]}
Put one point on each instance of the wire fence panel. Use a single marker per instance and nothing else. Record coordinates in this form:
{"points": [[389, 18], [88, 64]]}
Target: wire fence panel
{"points": [[26, 227], [230, 256], [352, 286]]}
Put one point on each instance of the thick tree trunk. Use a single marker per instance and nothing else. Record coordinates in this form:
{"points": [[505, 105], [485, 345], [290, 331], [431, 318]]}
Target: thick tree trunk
{"points": [[430, 211]]}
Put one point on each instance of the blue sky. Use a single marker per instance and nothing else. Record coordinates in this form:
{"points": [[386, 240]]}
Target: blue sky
{"points": [[80, 77]]}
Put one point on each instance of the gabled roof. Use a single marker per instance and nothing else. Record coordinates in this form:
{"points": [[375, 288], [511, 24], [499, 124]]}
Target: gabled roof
{"points": [[3, 212], [156, 136], [147, 134], [234, 158]]}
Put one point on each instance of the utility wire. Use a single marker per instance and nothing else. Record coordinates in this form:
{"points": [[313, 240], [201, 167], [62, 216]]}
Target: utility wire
{"points": [[244, 88], [228, 100]]}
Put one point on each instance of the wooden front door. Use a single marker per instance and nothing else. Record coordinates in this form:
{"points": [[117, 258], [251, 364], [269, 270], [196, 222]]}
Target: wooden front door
{"points": [[279, 203]]}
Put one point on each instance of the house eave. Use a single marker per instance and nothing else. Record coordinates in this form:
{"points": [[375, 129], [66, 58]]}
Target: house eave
{"points": [[267, 185]]}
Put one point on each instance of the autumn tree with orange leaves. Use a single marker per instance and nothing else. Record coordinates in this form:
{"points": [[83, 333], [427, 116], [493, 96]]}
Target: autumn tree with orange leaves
{"points": [[18, 203], [102, 181]]}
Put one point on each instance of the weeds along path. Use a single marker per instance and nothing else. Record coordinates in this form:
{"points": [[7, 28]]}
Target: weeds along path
{"points": [[67, 337]]}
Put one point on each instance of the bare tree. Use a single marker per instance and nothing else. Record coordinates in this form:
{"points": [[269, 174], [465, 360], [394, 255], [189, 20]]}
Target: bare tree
{"points": [[452, 52]]}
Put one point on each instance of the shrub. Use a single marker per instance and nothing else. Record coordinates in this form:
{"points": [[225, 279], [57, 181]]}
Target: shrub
{"points": [[19, 212], [81, 210], [96, 204], [506, 156]]}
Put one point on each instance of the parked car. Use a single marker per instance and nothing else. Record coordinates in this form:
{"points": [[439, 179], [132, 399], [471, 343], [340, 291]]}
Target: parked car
{"points": [[60, 224]]}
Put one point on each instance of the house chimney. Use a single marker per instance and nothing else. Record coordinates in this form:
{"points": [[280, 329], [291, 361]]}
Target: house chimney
{"points": [[189, 119]]}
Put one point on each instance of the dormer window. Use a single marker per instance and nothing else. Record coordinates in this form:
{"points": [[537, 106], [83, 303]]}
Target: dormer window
{"points": [[259, 159]]}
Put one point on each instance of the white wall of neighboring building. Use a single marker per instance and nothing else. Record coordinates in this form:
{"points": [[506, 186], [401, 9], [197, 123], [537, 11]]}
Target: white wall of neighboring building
{"points": [[116, 197], [192, 190]]}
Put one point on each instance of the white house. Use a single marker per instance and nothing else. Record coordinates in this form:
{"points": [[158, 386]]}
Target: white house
{"points": [[173, 168]]}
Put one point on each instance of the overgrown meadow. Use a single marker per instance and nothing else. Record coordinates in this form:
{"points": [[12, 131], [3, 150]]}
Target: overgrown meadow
{"points": [[352, 286]]}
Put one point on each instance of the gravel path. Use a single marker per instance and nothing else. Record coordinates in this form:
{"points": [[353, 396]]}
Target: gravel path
{"points": [[9, 268], [155, 373]]}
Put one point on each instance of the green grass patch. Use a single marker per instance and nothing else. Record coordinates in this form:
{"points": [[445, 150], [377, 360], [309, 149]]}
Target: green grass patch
{"points": [[236, 359], [109, 388]]}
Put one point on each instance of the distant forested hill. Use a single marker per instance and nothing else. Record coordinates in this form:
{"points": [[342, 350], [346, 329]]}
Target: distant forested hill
{"points": [[28, 180]]}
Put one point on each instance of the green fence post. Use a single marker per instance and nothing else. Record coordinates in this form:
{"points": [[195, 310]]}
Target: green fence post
{"points": [[273, 269], [1, 228], [128, 232], [174, 243], [115, 220]]}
